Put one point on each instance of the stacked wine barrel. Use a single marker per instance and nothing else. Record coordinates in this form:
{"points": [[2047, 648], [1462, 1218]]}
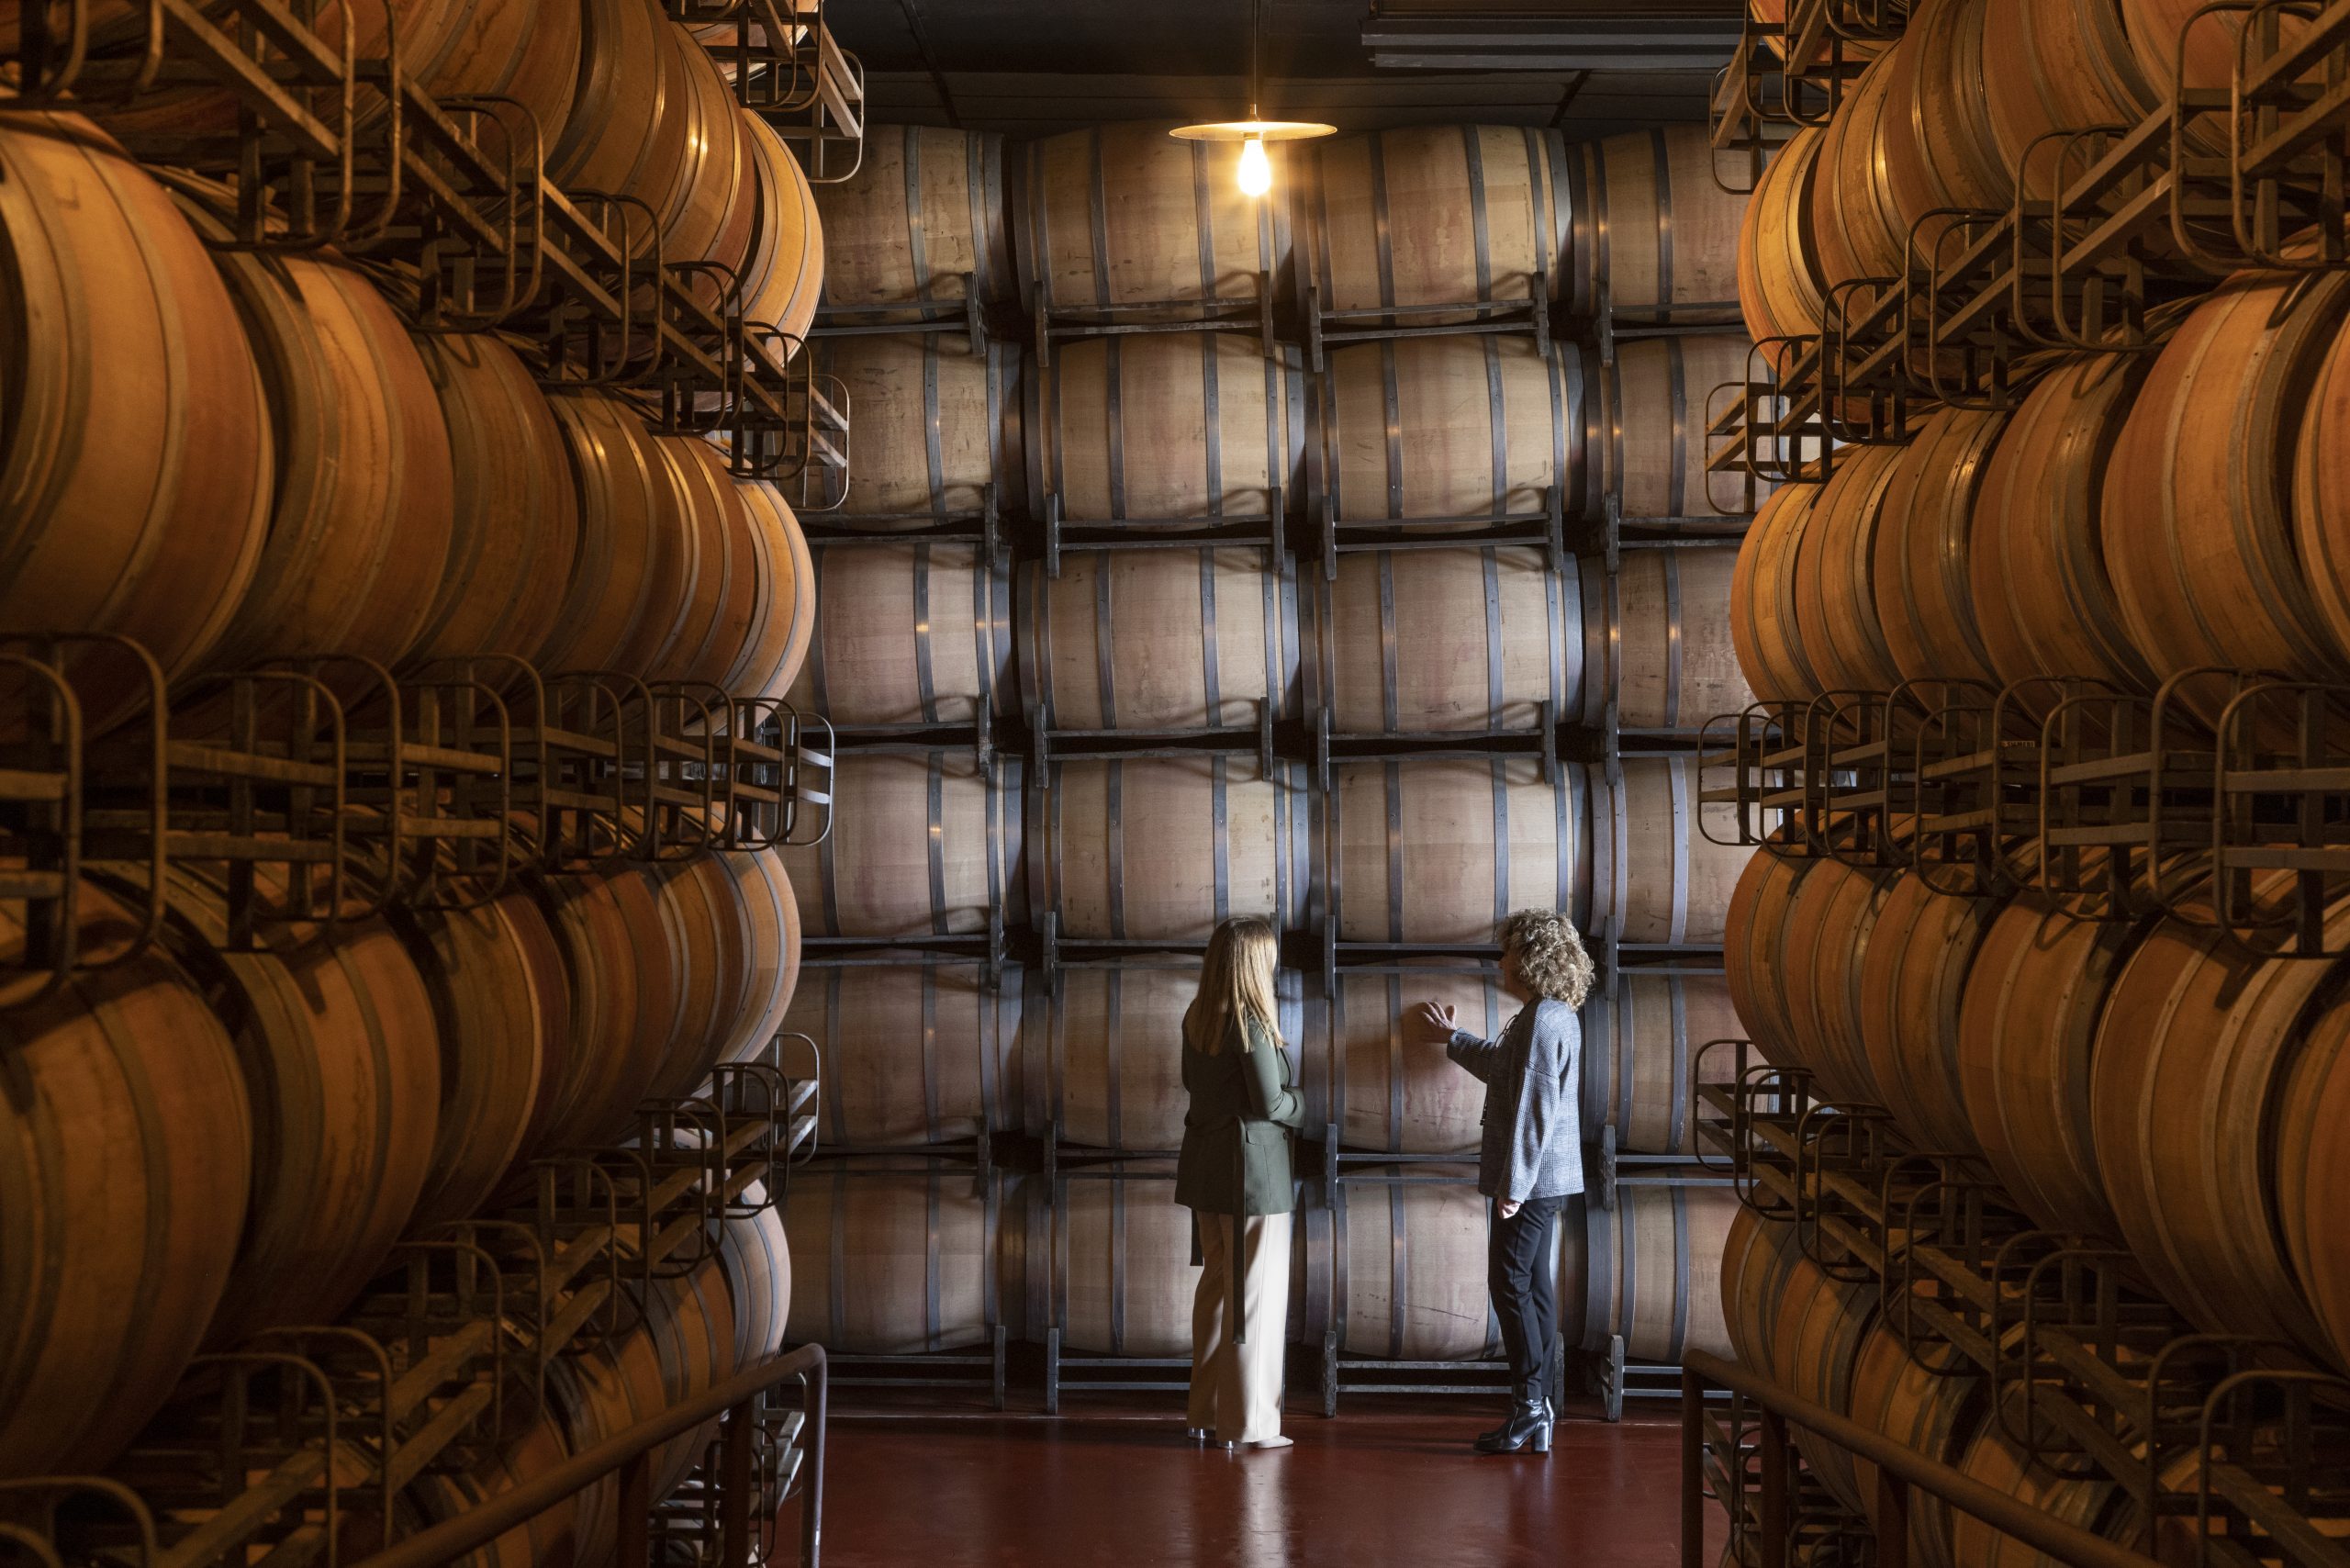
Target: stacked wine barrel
{"points": [[2138, 1082], [242, 459]]}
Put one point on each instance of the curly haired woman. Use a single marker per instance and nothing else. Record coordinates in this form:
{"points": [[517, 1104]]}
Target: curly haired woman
{"points": [[1530, 1161]]}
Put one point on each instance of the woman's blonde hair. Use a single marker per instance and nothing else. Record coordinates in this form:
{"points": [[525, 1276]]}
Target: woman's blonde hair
{"points": [[1235, 985], [1549, 954]]}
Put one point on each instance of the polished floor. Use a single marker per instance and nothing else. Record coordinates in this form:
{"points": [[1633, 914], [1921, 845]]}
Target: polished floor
{"points": [[1393, 1483]]}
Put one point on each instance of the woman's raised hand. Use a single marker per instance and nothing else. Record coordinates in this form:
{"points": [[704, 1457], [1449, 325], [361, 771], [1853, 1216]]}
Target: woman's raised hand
{"points": [[1436, 1020]]}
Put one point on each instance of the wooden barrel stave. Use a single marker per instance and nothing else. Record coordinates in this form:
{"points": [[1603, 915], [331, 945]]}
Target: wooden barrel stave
{"points": [[1935, 1414], [1648, 446], [1443, 641], [1171, 430], [923, 842], [1211, 837], [1159, 639], [1657, 639], [1940, 150], [937, 424], [924, 211], [1653, 227], [1449, 428], [1645, 1054], [630, 127], [907, 635], [756, 1256], [710, 927], [1439, 850], [894, 1261], [1425, 216], [914, 1051], [2321, 493], [1664, 863]]}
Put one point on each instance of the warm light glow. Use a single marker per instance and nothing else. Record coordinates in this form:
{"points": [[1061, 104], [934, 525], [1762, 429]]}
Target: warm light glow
{"points": [[1256, 169]]}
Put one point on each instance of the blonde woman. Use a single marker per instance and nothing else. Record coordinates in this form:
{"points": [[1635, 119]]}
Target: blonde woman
{"points": [[1234, 1175], [1530, 1161]]}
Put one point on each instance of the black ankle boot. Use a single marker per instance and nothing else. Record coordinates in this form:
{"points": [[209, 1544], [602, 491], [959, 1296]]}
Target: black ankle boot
{"points": [[1528, 1428]]}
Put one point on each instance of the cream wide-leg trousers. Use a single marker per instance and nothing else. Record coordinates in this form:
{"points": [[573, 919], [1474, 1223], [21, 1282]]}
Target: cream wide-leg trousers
{"points": [[1237, 1389]]}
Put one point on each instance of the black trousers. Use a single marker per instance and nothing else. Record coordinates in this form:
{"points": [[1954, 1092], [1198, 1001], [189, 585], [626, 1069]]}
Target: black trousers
{"points": [[1525, 1297]]}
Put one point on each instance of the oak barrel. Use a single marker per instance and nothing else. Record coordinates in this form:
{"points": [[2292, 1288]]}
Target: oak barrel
{"points": [[1655, 234], [1753, 949], [1400, 1264], [1456, 428], [1914, 978], [1419, 642], [1125, 216], [2066, 66], [1644, 1056], [1440, 849], [772, 960], [1780, 294], [708, 926], [1919, 580], [126, 1150], [135, 473], [783, 267], [1857, 229], [1939, 151], [783, 626], [916, 633], [2312, 1164], [625, 1000], [893, 1260], [935, 425], [1765, 625], [1102, 1050], [1106, 1258], [1648, 444], [1656, 639], [621, 608], [1664, 863], [1400, 221], [1648, 1270], [1390, 1087], [1171, 430], [2321, 493], [915, 1049], [2175, 36], [1177, 638], [1794, 952], [756, 1256], [1168, 847], [921, 222], [1933, 1412], [1837, 626], [628, 132], [924, 843]]}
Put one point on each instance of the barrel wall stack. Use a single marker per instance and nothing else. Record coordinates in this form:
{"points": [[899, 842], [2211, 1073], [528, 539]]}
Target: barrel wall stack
{"points": [[2049, 669], [393, 922]]}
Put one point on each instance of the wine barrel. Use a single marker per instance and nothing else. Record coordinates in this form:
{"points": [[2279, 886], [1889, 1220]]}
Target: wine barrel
{"points": [[334, 1031], [1862, 241], [135, 465], [1656, 640], [936, 425], [1935, 1414], [1648, 1271], [1106, 1258], [1822, 1327], [515, 528], [893, 1261], [1649, 445], [2197, 1040], [682, 1347], [919, 223], [1440, 849], [1390, 1088], [1168, 847], [908, 634], [2043, 597], [714, 609], [1400, 1264], [1655, 233], [1644, 1057], [440, 1494], [1125, 216], [624, 1004], [1754, 948], [1780, 294], [1913, 981], [757, 1256], [1837, 628], [915, 1049], [502, 1010], [2311, 1163], [1102, 1050], [1159, 639], [717, 205], [1664, 863], [2176, 37], [782, 274], [1173, 429], [2063, 67], [1997, 1460], [2027, 1029], [627, 133], [2199, 533], [126, 1149], [1940, 149], [1399, 221], [1823, 933], [1449, 428], [772, 913], [783, 627], [619, 609], [1919, 581], [1419, 642], [2321, 494], [924, 843], [709, 925], [1764, 624]]}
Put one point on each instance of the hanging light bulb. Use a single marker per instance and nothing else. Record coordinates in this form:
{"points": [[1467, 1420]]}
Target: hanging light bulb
{"points": [[1256, 169]]}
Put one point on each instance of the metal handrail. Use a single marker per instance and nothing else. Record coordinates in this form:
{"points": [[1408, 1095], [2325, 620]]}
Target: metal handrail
{"points": [[1898, 1468], [630, 1454]]}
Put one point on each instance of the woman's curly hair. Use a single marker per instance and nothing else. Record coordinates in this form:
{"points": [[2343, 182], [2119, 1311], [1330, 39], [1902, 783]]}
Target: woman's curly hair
{"points": [[1550, 953]]}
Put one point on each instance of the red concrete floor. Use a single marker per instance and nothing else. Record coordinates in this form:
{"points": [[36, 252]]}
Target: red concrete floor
{"points": [[1387, 1482]]}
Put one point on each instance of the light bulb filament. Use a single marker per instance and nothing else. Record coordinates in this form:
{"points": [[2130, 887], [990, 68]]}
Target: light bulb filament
{"points": [[1256, 169]]}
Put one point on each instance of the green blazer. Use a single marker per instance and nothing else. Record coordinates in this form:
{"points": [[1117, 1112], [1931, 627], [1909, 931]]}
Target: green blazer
{"points": [[1235, 1135]]}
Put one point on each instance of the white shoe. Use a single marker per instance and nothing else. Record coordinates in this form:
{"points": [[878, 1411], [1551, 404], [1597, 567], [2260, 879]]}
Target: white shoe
{"points": [[1273, 1442]]}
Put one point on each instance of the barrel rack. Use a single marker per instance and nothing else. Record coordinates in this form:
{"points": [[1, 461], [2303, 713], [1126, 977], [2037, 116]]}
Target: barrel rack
{"points": [[2237, 1448]]}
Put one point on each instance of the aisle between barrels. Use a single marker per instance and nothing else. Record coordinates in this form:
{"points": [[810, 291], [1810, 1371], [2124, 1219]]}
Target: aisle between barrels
{"points": [[1113, 1483]]}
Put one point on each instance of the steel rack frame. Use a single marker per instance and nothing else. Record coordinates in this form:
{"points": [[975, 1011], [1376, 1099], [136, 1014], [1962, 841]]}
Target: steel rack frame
{"points": [[1086, 1371], [1530, 317]]}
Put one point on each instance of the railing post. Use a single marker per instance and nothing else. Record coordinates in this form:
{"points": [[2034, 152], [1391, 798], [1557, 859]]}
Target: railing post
{"points": [[1692, 1471], [1774, 1428], [811, 1500], [734, 1485], [636, 1512], [1892, 1520]]}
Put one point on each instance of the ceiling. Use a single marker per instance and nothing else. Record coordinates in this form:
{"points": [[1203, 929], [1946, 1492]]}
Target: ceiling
{"points": [[1034, 67]]}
